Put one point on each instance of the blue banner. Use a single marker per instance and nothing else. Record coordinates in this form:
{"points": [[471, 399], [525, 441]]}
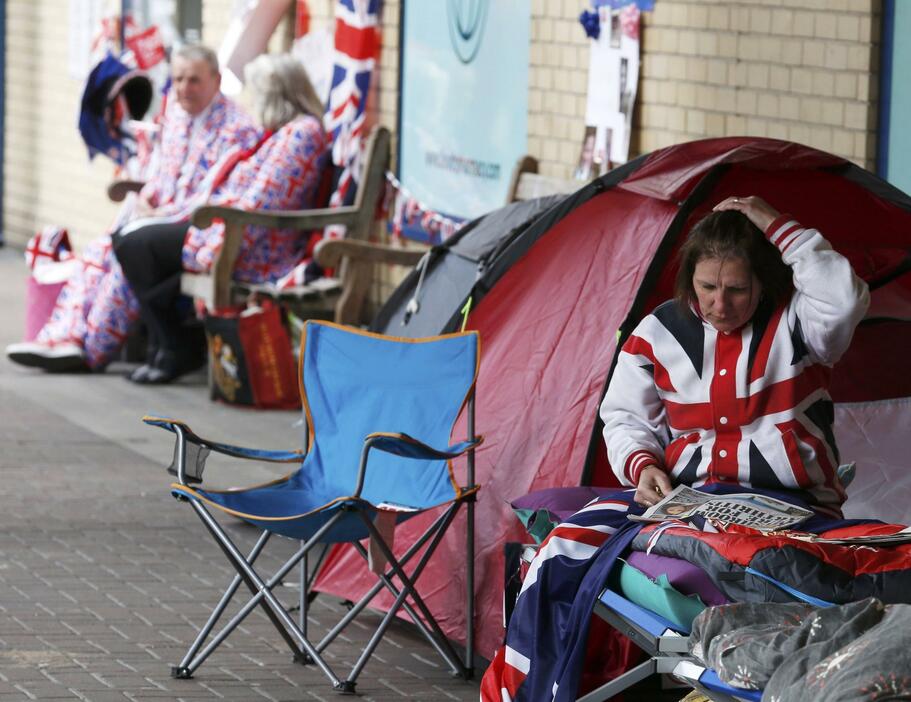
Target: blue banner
{"points": [[464, 101]]}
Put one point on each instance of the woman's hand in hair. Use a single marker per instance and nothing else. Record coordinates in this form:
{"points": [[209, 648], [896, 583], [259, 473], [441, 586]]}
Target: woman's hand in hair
{"points": [[757, 210], [654, 485]]}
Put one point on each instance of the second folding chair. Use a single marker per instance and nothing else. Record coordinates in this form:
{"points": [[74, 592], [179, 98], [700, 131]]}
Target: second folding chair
{"points": [[380, 412]]}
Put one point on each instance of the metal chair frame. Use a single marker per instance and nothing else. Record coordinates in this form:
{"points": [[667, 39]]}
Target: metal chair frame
{"points": [[667, 648], [295, 634]]}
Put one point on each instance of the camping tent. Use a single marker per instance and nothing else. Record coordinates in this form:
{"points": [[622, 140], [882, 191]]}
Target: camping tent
{"points": [[554, 304]]}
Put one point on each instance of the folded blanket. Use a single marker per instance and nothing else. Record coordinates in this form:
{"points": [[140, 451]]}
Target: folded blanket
{"points": [[857, 651]]}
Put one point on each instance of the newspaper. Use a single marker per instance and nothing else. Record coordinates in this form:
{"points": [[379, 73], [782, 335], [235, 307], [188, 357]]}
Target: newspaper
{"points": [[743, 508]]}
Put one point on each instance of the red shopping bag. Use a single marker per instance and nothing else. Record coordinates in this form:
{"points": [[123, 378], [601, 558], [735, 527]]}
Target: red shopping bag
{"points": [[40, 299], [251, 358]]}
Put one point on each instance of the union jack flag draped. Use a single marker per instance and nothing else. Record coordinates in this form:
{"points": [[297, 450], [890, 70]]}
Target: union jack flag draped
{"points": [[546, 642], [357, 45]]}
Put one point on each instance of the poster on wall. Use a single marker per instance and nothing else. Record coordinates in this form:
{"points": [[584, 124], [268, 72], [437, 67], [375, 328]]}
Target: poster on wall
{"points": [[613, 76], [464, 95]]}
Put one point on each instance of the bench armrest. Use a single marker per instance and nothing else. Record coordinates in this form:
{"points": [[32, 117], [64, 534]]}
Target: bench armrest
{"points": [[275, 219], [330, 252], [119, 189]]}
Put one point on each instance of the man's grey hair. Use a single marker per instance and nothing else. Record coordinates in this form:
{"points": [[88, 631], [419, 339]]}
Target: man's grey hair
{"points": [[281, 90], [197, 52]]}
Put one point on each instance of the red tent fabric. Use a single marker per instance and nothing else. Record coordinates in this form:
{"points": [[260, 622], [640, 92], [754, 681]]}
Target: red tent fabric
{"points": [[550, 328]]}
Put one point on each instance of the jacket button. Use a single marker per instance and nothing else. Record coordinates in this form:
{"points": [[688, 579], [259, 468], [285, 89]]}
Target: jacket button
{"points": [[723, 453]]}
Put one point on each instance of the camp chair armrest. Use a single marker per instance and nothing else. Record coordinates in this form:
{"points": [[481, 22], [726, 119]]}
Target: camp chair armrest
{"points": [[191, 450], [407, 447]]}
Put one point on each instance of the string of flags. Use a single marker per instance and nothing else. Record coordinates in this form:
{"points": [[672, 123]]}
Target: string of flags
{"points": [[411, 219]]}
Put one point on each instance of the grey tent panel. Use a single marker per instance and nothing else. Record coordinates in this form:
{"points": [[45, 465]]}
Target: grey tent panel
{"points": [[451, 270]]}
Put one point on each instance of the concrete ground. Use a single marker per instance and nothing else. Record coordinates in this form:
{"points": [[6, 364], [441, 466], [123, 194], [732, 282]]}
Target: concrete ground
{"points": [[105, 578]]}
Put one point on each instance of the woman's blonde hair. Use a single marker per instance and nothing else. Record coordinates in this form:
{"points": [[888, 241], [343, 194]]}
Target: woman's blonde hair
{"points": [[281, 90]]}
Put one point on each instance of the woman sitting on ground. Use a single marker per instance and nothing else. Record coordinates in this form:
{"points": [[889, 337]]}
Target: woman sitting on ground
{"points": [[728, 383], [283, 172]]}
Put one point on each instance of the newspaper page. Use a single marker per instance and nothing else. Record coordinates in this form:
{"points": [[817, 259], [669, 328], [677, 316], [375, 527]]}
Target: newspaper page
{"points": [[746, 509]]}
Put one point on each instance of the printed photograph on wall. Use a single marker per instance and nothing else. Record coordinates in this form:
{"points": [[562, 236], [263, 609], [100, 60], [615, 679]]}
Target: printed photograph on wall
{"points": [[613, 74], [585, 169]]}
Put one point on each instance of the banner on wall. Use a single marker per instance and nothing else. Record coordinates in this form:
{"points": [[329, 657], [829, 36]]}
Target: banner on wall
{"points": [[613, 77], [464, 99]]}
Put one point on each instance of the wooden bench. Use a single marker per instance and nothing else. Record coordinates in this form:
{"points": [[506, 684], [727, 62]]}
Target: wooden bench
{"points": [[353, 258], [528, 184]]}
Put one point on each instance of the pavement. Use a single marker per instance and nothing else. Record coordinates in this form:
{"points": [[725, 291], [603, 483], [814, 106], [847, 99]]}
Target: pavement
{"points": [[105, 579]]}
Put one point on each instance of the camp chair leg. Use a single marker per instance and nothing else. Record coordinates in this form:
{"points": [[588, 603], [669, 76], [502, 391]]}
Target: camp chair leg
{"points": [[306, 583], [385, 579], [183, 670], [377, 586], [439, 640], [469, 568], [622, 682], [304, 591], [273, 608], [441, 643], [242, 614]]}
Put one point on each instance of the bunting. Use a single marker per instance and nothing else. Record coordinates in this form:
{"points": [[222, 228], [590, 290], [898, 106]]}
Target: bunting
{"points": [[412, 219]]}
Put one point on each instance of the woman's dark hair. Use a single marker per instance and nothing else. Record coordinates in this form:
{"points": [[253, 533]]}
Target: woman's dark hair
{"points": [[730, 234]]}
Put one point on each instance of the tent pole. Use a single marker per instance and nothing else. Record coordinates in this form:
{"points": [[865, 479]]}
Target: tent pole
{"points": [[469, 634]]}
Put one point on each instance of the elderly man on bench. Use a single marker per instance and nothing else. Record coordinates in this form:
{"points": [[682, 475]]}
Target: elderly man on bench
{"points": [[96, 307]]}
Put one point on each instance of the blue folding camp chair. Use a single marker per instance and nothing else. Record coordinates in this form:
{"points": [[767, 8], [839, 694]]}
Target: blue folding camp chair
{"points": [[380, 412], [667, 646]]}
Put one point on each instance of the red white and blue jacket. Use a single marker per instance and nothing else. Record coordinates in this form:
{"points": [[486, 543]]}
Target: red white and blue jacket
{"points": [[749, 406], [283, 174], [186, 152]]}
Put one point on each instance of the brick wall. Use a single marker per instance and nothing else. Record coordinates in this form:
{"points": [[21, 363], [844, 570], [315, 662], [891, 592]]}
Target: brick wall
{"points": [[47, 177], [802, 70], [557, 85]]}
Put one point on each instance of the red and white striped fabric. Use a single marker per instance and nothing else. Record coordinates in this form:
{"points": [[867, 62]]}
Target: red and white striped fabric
{"points": [[749, 406]]}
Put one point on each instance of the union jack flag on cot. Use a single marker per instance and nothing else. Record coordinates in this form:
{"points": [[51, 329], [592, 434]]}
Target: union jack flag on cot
{"points": [[546, 644]]}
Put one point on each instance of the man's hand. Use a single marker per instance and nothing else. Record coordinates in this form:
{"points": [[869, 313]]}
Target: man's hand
{"points": [[654, 485]]}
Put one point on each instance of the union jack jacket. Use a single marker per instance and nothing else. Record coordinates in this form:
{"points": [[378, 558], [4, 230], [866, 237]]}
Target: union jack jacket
{"points": [[750, 406]]}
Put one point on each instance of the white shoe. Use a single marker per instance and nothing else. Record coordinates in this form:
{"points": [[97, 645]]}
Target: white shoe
{"points": [[56, 358]]}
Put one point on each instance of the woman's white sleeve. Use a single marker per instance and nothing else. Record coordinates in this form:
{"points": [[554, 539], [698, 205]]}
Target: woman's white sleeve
{"points": [[829, 299], [634, 419]]}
